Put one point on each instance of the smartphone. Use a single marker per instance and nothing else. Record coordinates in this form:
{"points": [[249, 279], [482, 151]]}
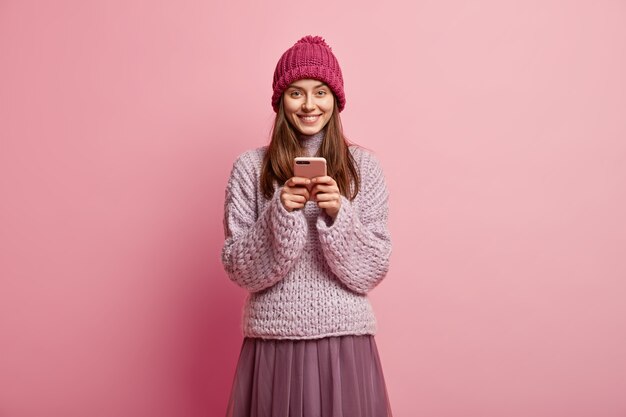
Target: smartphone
{"points": [[309, 167]]}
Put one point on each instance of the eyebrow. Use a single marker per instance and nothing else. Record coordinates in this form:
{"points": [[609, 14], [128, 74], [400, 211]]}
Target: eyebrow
{"points": [[300, 88]]}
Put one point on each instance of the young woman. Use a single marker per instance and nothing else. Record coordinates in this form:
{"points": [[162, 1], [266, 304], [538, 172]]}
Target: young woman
{"points": [[308, 252]]}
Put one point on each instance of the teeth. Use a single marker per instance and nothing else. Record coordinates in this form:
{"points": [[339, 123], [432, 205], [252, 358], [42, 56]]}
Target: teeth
{"points": [[309, 118]]}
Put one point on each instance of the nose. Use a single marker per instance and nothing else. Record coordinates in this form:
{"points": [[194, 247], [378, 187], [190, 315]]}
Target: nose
{"points": [[308, 104]]}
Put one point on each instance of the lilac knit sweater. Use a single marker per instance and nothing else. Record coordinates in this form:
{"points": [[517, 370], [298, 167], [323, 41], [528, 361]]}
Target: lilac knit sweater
{"points": [[307, 275]]}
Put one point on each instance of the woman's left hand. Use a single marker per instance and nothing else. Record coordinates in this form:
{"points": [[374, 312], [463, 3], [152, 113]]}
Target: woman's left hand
{"points": [[326, 194]]}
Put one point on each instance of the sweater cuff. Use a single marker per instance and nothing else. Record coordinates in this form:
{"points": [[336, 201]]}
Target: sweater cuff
{"points": [[286, 219], [330, 229]]}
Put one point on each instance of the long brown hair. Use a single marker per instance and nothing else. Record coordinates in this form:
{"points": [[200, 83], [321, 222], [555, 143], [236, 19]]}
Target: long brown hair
{"points": [[285, 146]]}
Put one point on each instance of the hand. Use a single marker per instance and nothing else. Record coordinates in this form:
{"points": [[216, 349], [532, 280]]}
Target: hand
{"points": [[295, 194], [326, 193]]}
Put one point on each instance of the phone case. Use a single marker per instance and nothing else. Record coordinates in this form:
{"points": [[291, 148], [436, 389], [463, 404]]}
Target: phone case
{"points": [[309, 167]]}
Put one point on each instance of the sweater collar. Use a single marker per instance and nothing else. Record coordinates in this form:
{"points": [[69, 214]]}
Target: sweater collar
{"points": [[312, 142]]}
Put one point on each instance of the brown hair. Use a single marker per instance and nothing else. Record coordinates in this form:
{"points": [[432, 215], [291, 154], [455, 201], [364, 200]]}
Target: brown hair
{"points": [[285, 146]]}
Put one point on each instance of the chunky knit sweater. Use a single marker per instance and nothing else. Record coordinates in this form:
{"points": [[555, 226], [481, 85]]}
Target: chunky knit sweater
{"points": [[307, 275]]}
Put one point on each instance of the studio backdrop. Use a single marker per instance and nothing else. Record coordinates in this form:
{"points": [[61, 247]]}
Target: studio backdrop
{"points": [[500, 126]]}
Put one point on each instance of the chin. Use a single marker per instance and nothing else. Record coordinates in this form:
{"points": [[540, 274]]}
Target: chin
{"points": [[310, 130]]}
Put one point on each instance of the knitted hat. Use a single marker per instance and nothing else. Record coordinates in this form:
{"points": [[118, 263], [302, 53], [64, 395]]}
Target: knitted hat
{"points": [[310, 57]]}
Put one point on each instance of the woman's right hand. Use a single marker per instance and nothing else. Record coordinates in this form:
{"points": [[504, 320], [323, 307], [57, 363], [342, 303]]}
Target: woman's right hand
{"points": [[295, 193]]}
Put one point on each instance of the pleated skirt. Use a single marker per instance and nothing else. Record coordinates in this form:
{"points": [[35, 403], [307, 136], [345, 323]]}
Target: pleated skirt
{"points": [[339, 376]]}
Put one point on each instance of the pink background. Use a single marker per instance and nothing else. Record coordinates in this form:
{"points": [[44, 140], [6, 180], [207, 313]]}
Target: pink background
{"points": [[501, 127]]}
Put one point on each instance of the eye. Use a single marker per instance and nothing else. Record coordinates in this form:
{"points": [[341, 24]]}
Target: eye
{"points": [[322, 92], [295, 93]]}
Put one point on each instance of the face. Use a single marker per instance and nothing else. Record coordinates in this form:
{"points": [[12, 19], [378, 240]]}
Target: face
{"points": [[308, 105]]}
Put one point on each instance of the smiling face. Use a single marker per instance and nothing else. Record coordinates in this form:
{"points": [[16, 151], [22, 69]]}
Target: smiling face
{"points": [[308, 105]]}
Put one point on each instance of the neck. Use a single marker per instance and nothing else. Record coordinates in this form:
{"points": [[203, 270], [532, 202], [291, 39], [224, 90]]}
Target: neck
{"points": [[312, 142]]}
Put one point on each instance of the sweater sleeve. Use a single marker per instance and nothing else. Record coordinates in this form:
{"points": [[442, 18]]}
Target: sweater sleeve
{"points": [[258, 252], [357, 243]]}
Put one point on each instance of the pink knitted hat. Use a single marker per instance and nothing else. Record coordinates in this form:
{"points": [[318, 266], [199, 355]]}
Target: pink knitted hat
{"points": [[310, 57]]}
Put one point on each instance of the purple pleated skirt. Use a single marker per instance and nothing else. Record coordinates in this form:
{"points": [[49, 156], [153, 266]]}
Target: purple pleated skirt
{"points": [[339, 376]]}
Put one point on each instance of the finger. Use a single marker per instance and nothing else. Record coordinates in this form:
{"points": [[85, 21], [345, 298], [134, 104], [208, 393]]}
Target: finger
{"points": [[298, 198], [293, 205], [287, 195], [287, 201], [295, 199], [299, 181], [325, 188], [300, 190], [326, 197], [328, 204], [325, 179]]}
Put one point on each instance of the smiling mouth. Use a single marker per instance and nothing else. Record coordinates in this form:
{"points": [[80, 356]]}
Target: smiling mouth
{"points": [[309, 119]]}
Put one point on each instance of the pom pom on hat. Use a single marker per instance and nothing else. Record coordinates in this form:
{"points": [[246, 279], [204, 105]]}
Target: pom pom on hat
{"points": [[310, 57], [315, 40]]}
